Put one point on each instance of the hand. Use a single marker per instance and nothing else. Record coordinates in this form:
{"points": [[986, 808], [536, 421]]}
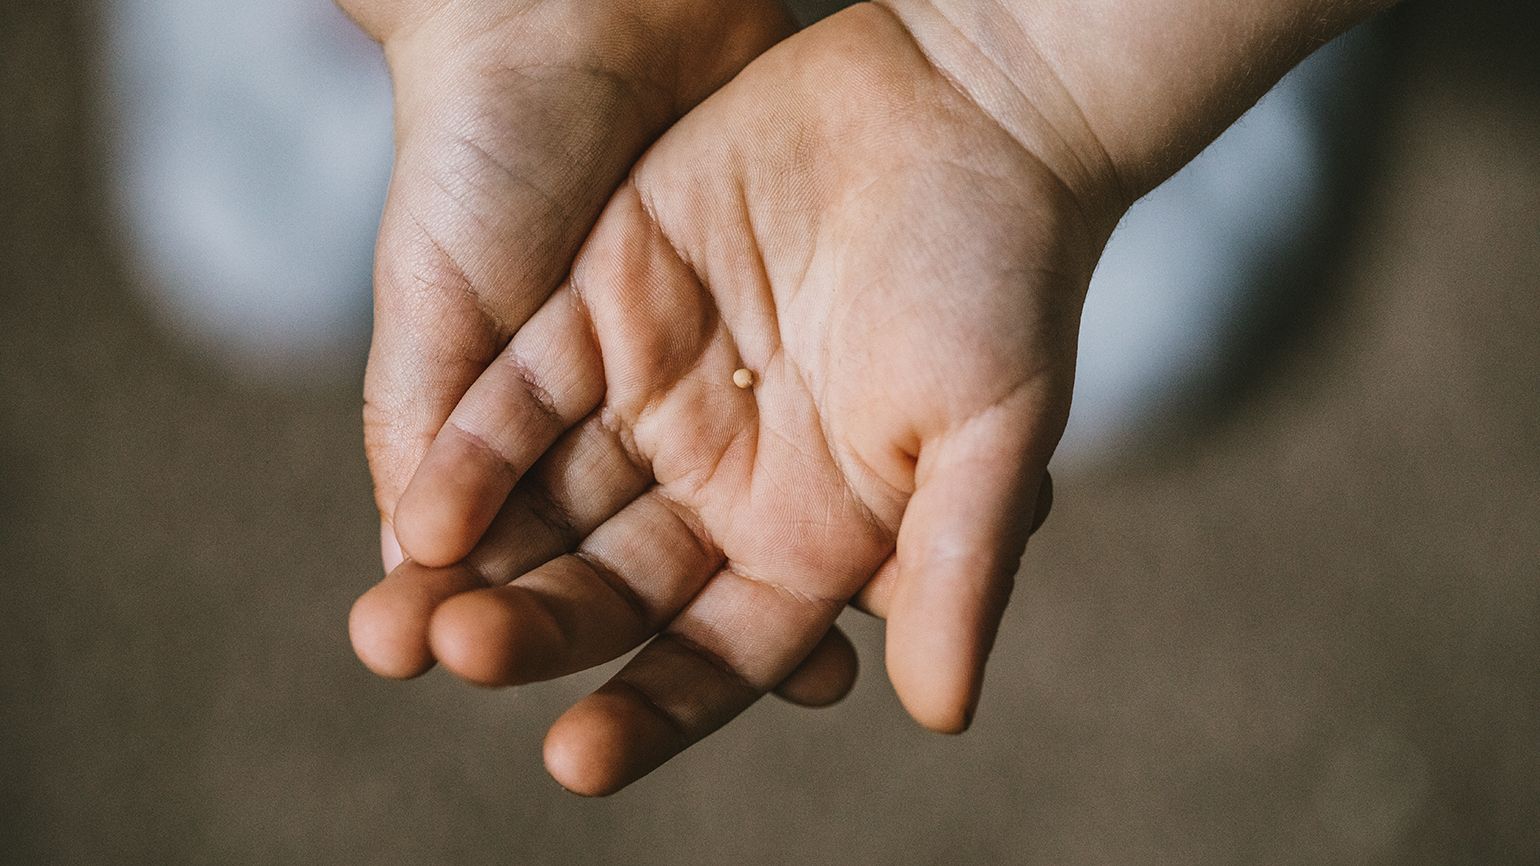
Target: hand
{"points": [[903, 280], [516, 120]]}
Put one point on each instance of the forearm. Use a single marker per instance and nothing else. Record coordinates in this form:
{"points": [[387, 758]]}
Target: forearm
{"points": [[1116, 95]]}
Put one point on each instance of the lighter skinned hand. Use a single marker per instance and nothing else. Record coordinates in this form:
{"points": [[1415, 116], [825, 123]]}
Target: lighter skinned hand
{"points": [[901, 277]]}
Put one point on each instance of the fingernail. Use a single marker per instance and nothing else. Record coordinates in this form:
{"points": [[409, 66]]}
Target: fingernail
{"points": [[390, 548]]}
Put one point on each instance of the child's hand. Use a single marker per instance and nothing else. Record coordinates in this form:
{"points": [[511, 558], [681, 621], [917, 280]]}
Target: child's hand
{"points": [[889, 222], [516, 121], [902, 279]]}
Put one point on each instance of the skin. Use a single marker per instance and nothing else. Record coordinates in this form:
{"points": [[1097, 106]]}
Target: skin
{"points": [[890, 219], [515, 123], [806, 223]]}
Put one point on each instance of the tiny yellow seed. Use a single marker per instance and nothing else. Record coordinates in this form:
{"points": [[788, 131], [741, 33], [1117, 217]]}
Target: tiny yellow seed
{"points": [[743, 379]]}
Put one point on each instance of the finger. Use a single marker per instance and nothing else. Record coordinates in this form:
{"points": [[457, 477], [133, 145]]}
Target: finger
{"points": [[959, 546], [496, 183], [585, 479], [624, 582], [876, 597], [546, 380], [450, 290], [485, 213], [388, 625], [826, 676], [738, 639]]}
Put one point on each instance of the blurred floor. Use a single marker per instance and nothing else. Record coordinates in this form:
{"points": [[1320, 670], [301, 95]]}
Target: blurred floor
{"points": [[1307, 635]]}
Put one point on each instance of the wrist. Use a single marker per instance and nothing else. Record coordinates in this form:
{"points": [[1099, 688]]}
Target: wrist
{"points": [[994, 62], [1114, 96]]}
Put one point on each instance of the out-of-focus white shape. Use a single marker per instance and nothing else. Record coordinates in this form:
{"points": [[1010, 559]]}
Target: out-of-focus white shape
{"points": [[251, 145], [1183, 267]]}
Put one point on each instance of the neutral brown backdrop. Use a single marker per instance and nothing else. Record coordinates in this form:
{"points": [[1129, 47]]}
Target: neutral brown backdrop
{"points": [[1305, 631]]}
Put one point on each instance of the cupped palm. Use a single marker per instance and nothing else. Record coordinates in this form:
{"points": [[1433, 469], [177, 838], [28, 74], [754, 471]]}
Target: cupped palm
{"points": [[903, 280]]}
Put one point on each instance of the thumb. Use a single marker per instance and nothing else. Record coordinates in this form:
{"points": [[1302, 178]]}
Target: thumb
{"points": [[959, 547]]}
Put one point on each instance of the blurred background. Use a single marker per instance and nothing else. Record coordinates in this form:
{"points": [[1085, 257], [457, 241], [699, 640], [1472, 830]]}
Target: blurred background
{"points": [[1287, 609]]}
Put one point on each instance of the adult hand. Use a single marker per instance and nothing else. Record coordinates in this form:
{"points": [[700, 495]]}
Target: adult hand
{"points": [[515, 121]]}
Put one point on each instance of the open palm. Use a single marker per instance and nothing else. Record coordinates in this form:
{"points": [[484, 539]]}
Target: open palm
{"points": [[901, 277]]}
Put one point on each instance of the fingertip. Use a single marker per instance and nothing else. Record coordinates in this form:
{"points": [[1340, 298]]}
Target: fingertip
{"points": [[465, 633], [379, 626], [388, 625], [492, 637], [937, 646], [451, 500], [950, 722], [429, 532], [606, 742], [940, 714], [583, 751], [937, 688], [826, 676]]}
